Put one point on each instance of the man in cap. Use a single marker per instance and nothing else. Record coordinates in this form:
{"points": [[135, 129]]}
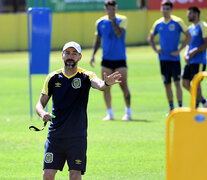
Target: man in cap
{"points": [[67, 134], [111, 29]]}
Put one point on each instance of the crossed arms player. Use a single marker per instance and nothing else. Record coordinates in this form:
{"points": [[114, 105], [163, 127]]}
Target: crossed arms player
{"points": [[67, 133]]}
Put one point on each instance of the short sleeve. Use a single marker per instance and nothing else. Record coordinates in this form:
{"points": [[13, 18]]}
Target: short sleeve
{"points": [[46, 87], [124, 22], [204, 29]]}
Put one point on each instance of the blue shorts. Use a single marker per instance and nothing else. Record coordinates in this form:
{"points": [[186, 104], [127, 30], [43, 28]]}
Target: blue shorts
{"points": [[113, 64], [72, 150], [191, 70], [169, 70]]}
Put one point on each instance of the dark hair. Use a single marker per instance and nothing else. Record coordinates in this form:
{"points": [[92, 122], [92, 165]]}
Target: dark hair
{"points": [[167, 3], [110, 3], [194, 9]]}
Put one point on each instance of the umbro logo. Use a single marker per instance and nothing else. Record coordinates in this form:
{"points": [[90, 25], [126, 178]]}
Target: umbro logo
{"points": [[57, 84], [60, 76], [78, 161]]}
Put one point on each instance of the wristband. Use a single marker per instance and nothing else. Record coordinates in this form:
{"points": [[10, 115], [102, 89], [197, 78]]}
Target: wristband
{"points": [[106, 83]]}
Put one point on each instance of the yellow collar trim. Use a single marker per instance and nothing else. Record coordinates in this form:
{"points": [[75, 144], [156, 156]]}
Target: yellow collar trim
{"points": [[69, 76]]}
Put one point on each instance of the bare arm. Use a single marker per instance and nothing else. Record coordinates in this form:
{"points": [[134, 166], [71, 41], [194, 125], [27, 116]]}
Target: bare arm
{"points": [[118, 30], [186, 56], [108, 81], [185, 42], [40, 108], [152, 43], [203, 47], [96, 45]]}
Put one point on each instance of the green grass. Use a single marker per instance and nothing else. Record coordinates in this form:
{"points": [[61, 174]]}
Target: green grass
{"points": [[117, 150]]}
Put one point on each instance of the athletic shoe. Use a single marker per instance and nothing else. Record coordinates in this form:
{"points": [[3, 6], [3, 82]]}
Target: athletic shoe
{"points": [[167, 114], [108, 118], [126, 117], [205, 105]]}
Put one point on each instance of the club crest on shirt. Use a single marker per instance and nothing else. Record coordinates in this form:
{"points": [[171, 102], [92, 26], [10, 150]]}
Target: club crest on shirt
{"points": [[76, 83], [49, 157], [171, 27]]}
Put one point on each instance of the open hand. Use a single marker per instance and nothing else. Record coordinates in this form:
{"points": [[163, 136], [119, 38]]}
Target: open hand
{"points": [[158, 51], [175, 53], [192, 52], [92, 62], [112, 78]]}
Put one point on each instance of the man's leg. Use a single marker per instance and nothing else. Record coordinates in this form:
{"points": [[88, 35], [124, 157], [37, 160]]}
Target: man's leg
{"points": [[196, 69], [107, 95], [189, 72], [203, 99], [125, 90], [124, 86], [49, 174], [186, 84], [75, 175], [199, 96], [169, 94], [179, 93]]}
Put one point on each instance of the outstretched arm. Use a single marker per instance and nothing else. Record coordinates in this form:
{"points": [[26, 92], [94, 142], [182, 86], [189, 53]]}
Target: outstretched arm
{"points": [[108, 81], [96, 45], [40, 108]]}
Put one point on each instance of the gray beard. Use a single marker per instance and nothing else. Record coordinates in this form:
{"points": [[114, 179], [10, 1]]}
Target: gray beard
{"points": [[70, 66]]}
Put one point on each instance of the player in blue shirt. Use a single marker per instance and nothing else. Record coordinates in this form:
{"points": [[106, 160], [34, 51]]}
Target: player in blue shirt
{"points": [[111, 29], [67, 135], [195, 54], [169, 28]]}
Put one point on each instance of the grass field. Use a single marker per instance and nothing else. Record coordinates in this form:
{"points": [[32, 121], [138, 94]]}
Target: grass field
{"points": [[117, 150]]}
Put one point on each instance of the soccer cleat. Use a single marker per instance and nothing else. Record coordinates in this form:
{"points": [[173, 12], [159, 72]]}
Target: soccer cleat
{"points": [[126, 117], [205, 105], [108, 118]]}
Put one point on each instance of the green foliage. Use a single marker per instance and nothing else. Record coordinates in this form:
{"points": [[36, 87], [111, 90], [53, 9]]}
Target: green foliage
{"points": [[117, 150]]}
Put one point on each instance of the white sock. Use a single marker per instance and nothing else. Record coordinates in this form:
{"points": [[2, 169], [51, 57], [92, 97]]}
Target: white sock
{"points": [[110, 112], [128, 111]]}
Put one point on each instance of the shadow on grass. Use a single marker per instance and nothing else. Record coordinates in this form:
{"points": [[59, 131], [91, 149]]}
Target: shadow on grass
{"points": [[131, 121]]}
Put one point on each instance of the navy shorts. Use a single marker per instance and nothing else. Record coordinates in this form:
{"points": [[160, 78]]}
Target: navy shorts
{"points": [[111, 64], [170, 69], [191, 70], [72, 150]]}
